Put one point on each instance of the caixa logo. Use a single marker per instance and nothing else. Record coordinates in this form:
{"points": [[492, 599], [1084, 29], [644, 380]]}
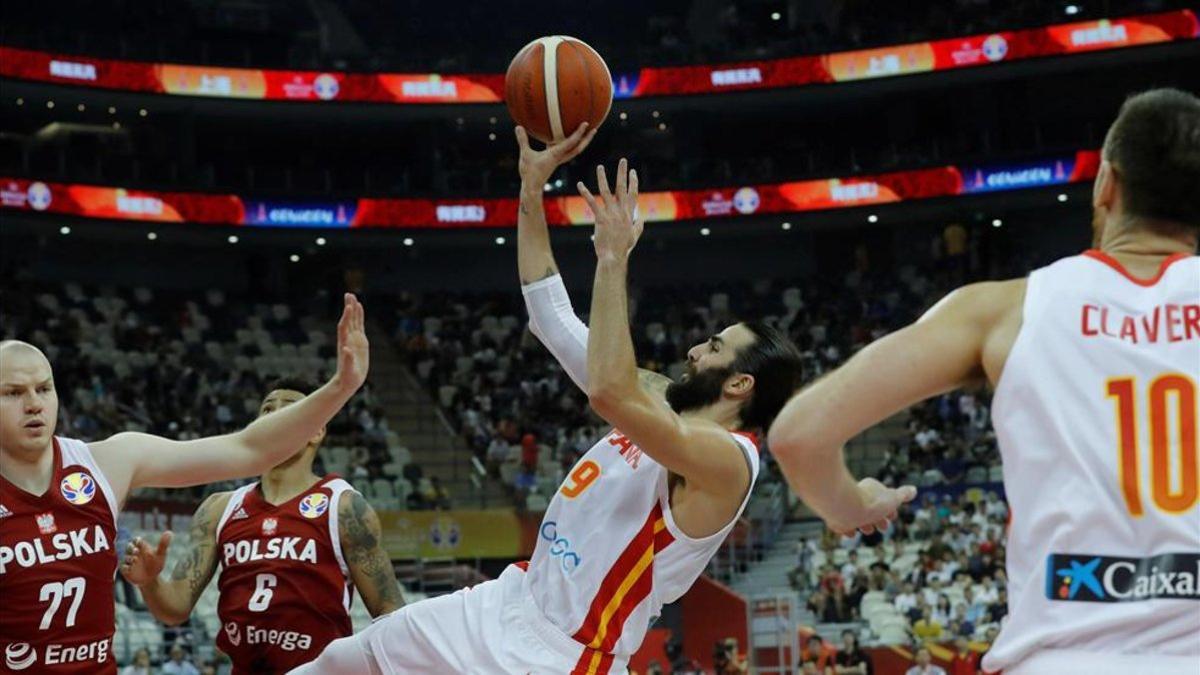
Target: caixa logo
{"points": [[560, 547], [1096, 578]]}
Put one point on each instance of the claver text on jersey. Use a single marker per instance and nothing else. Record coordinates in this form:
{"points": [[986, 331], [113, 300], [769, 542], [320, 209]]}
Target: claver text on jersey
{"points": [[1165, 323]]}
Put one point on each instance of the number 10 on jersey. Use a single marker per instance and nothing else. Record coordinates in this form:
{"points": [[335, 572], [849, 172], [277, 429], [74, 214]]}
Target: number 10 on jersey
{"points": [[1171, 407]]}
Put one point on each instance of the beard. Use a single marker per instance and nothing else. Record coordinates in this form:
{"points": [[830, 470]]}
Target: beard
{"points": [[697, 389]]}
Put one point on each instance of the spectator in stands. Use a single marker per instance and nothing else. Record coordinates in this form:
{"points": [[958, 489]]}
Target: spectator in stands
{"points": [[140, 664], [926, 628], [727, 661], [850, 568], [851, 659], [436, 495], [941, 610], [816, 652], [178, 665], [965, 661], [906, 601], [998, 609], [923, 664]]}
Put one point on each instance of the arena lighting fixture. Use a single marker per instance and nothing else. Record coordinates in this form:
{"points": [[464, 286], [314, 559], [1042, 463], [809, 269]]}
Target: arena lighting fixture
{"points": [[499, 241], [81, 107], [872, 218], [233, 239], [786, 226], [143, 112], [294, 258], [116, 125], [492, 136], [112, 110], [152, 236], [21, 101], [50, 104], [623, 115], [1062, 197], [655, 114], [662, 126], [64, 230], [996, 222], [1071, 10], [408, 241], [491, 120], [320, 241], [704, 232], [775, 16], [547, 187]]}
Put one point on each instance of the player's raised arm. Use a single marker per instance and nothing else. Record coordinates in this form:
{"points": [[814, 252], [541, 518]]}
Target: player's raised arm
{"points": [[958, 342], [370, 567], [535, 259], [701, 451], [132, 460], [171, 600]]}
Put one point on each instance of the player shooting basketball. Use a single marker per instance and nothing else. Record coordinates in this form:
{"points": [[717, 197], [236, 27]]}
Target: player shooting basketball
{"points": [[291, 547], [641, 513], [1095, 362], [59, 499]]}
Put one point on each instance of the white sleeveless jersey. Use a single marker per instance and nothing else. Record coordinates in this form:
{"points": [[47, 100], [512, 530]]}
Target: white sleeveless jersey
{"points": [[1096, 415], [609, 554]]}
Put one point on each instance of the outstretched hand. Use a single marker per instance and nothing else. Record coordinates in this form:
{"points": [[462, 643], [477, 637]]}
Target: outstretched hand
{"points": [[536, 166], [618, 225], [142, 564], [879, 507], [354, 353]]}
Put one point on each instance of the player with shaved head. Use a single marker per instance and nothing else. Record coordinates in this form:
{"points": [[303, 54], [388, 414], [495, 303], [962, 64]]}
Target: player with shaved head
{"points": [[60, 497]]}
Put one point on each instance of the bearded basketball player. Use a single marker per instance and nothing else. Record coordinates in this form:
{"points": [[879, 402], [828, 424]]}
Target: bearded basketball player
{"points": [[1095, 361], [59, 500], [641, 513], [292, 547]]}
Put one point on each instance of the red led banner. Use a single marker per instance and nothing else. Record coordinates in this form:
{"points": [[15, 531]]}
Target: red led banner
{"points": [[399, 88], [91, 201]]}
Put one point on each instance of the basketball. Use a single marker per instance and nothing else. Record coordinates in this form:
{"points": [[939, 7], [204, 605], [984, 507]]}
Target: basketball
{"points": [[556, 83]]}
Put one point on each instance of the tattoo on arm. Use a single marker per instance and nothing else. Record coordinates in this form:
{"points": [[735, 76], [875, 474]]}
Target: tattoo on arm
{"points": [[197, 567], [370, 567], [655, 383]]}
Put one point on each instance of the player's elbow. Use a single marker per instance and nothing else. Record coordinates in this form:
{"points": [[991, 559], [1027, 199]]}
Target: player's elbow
{"points": [[172, 617], [789, 440], [604, 399]]}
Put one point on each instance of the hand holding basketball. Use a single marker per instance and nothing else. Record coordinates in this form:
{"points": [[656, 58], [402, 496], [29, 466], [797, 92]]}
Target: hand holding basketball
{"points": [[536, 166], [618, 226]]}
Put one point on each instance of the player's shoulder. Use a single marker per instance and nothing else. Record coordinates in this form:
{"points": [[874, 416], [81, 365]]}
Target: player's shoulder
{"points": [[983, 300], [212, 505], [353, 505]]}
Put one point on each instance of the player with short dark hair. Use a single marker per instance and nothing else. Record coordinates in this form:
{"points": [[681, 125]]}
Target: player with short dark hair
{"points": [[291, 547], [1095, 361]]}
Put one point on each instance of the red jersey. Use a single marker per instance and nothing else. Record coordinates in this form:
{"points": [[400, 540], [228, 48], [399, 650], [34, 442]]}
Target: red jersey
{"points": [[58, 560], [284, 586]]}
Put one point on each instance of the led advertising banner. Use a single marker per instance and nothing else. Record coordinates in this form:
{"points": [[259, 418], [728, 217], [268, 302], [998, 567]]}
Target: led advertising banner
{"points": [[93, 201], [398, 88]]}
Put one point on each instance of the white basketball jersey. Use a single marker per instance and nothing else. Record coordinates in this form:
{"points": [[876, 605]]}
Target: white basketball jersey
{"points": [[1096, 413], [609, 554]]}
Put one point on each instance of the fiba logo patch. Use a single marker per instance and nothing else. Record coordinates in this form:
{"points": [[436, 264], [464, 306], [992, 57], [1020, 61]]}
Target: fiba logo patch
{"points": [[19, 656], [78, 488], [995, 48], [39, 196], [314, 505], [325, 86], [233, 633], [746, 200], [270, 525]]}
